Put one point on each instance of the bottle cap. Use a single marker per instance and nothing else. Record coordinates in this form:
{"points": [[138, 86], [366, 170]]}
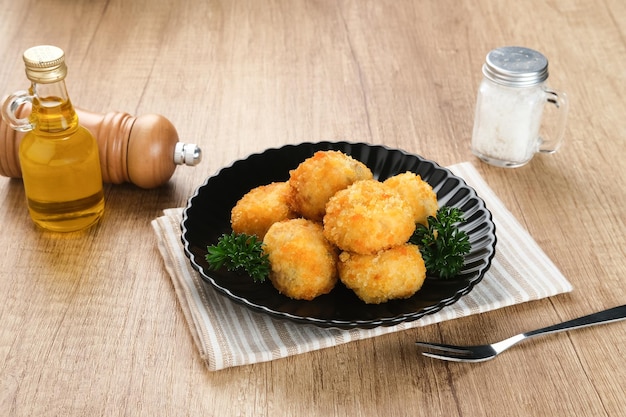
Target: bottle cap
{"points": [[45, 64], [516, 66]]}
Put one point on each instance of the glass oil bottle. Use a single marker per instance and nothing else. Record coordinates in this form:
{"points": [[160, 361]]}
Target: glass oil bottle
{"points": [[58, 157]]}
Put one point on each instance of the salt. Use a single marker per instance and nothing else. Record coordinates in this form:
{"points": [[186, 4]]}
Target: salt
{"points": [[508, 123]]}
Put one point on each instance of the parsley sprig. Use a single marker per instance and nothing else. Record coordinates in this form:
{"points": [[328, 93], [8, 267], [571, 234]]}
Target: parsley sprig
{"points": [[237, 252], [442, 244]]}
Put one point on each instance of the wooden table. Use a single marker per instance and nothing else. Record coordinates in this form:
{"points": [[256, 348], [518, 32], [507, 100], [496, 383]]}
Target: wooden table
{"points": [[90, 322]]}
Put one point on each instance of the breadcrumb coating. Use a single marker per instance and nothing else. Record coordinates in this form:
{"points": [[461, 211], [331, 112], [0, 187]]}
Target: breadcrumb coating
{"points": [[417, 193], [319, 177], [395, 273], [303, 263], [367, 220], [367, 217], [261, 207]]}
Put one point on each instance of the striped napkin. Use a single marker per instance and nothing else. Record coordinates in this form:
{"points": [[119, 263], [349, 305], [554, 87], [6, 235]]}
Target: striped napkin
{"points": [[228, 334]]}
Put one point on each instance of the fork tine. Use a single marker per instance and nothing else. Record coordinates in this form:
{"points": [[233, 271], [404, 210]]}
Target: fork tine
{"points": [[456, 353], [454, 357], [444, 348]]}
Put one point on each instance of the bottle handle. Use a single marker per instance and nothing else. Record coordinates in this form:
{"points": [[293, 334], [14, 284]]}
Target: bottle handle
{"points": [[551, 144], [10, 108]]}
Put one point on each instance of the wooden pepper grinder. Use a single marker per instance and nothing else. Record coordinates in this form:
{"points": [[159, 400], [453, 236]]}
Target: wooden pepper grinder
{"points": [[142, 150]]}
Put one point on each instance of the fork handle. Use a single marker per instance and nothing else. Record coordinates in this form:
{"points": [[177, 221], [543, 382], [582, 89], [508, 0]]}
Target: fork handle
{"points": [[601, 317]]}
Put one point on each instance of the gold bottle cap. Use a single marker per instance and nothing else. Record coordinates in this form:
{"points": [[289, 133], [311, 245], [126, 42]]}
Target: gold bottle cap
{"points": [[45, 64]]}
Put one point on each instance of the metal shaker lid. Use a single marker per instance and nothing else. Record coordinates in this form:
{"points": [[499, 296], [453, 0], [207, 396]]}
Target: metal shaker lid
{"points": [[516, 66], [45, 64]]}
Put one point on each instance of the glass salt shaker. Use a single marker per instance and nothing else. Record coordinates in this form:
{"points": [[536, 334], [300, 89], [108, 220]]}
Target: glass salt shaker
{"points": [[509, 124]]}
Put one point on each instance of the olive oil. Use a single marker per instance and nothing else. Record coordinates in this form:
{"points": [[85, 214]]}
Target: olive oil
{"points": [[61, 171], [58, 157]]}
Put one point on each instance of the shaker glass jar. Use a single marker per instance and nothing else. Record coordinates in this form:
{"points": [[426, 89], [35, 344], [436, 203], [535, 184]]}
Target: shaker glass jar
{"points": [[510, 106]]}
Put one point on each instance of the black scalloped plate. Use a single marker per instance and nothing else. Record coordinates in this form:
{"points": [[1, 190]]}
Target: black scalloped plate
{"points": [[207, 217]]}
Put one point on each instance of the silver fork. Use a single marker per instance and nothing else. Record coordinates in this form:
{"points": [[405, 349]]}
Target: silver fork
{"points": [[485, 352]]}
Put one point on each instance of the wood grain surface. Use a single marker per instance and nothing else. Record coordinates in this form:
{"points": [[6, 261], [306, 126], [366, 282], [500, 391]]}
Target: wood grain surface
{"points": [[90, 324]]}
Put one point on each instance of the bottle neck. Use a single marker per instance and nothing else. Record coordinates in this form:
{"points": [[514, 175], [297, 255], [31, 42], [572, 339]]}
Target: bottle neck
{"points": [[52, 110]]}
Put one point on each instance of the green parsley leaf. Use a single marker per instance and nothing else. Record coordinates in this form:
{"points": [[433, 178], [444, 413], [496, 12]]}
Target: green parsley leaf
{"points": [[240, 252], [442, 244]]}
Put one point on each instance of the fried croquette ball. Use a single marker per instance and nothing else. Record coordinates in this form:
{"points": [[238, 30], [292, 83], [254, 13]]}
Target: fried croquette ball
{"points": [[261, 207], [303, 263], [395, 273], [367, 217], [319, 177], [417, 193]]}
